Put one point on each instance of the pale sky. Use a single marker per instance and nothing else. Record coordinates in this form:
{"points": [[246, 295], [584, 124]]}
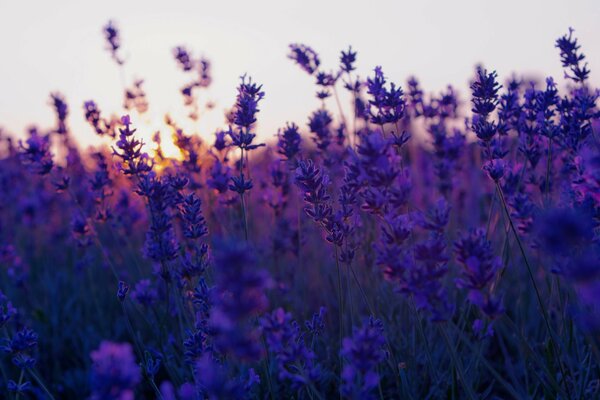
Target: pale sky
{"points": [[58, 45]]}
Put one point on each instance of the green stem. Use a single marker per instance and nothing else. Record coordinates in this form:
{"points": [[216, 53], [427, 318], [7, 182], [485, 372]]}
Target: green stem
{"points": [[422, 333], [156, 389], [458, 366], [535, 287], [548, 165], [19, 384], [341, 308], [41, 383]]}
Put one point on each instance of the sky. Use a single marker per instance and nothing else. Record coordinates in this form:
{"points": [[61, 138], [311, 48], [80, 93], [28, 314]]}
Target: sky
{"points": [[51, 46]]}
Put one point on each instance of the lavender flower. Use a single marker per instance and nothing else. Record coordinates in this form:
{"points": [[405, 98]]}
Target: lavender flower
{"points": [[239, 296], [35, 153], [62, 110], [485, 99], [183, 58], [305, 57], [288, 141], [145, 293], [386, 104], [571, 58], [296, 362], [21, 348], [319, 124], [246, 107], [363, 352], [194, 222], [129, 149], [92, 116], [115, 373], [347, 60], [7, 311], [474, 253], [113, 41], [122, 291]]}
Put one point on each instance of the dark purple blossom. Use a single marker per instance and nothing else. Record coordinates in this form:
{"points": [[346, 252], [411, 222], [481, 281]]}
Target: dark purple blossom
{"points": [[122, 291], [62, 111], [240, 295], [305, 57], [347, 60], [364, 351], [113, 41], [35, 153], [288, 141], [480, 266], [571, 58], [115, 373], [386, 104]]}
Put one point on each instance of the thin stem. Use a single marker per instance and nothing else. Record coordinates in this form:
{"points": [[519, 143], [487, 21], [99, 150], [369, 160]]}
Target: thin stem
{"points": [[156, 389], [422, 333], [41, 383], [489, 367], [339, 105], [242, 195], [458, 366], [535, 287], [244, 216], [341, 306], [548, 165], [266, 366], [19, 384]]}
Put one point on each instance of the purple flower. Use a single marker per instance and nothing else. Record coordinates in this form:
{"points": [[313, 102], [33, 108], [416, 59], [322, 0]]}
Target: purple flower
{"points": [[319, 124], [485, 92], [35, 153], [183, 58], [92, 116], [115, 373], [561, 231], [305, 57], [295, 361], [215, 382], [347, 60], [7, 311], [122, 291], [314, 184], [240, 184], [129, 150], [288, 141], [572, 58], [162, 195], [436, 218], [113, 41], [193, 220], [219, 177], [135, 97], [495, 168], [21, 347], [240, 295], [246, 107], [364, 351], [386, 104], [479, 267], [145, 293], [62, 110]]}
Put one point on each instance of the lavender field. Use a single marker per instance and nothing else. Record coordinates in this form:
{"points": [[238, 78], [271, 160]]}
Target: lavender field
{"points": [[404, 244]]}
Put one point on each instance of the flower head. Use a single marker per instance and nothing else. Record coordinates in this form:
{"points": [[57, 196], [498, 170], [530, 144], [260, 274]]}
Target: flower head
{"points": [[305, 57], [115, 373]]}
